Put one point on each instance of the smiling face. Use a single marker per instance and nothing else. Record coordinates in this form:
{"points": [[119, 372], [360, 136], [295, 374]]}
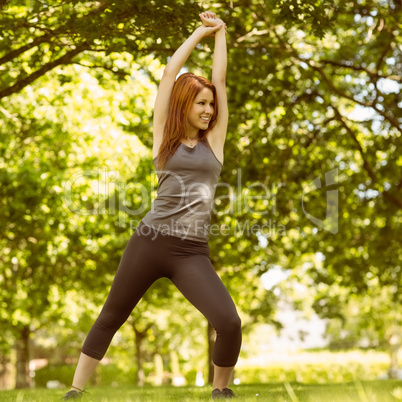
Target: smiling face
{"points": [[201, 112]]}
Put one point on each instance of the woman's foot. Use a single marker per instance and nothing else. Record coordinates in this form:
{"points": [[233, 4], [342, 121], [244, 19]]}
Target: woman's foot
{"points": [[226, 393], [73, 394]]}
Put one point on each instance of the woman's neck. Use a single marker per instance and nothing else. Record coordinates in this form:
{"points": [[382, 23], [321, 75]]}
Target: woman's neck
{"points": [[192, 133]]}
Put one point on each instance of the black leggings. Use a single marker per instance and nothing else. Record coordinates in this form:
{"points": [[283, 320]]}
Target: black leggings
{"points": [[150, 255]]}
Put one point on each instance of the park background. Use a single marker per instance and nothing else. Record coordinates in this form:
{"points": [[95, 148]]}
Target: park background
{"points": [[312, 157]]}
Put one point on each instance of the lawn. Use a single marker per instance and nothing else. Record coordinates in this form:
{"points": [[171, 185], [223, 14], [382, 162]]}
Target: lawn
{"points": [[371, 391]]}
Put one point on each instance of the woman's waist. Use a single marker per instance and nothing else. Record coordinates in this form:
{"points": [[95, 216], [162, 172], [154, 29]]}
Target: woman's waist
{"points": [[164, 206], [197, 230]]}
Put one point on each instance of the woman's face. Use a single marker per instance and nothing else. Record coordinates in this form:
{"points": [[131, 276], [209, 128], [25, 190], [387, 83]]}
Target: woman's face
{"points": [[201, 111]]}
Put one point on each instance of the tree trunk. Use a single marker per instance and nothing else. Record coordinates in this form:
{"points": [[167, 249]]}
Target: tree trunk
{"points": [[394, 345], [5, 380], [22, 348], [158, 363], [139, 337], [211, 334]]}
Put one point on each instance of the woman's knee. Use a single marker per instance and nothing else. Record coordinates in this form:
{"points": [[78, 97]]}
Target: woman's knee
{"points": [[111, 321], [235, 323], [229, 325]]}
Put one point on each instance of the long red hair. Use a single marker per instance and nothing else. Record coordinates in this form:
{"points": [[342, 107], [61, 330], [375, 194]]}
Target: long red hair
{"points": [[185, 89]]}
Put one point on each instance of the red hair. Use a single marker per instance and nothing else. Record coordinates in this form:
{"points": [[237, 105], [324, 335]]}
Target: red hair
{"points": [[185, 89]]}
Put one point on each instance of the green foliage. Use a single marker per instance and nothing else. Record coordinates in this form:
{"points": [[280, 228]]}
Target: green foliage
{"points": [[313, 86], [61, 372], [306, 373], [314, 367], [107, 375], [309, 368], [291, 97], [312, 15], [56, 33]]}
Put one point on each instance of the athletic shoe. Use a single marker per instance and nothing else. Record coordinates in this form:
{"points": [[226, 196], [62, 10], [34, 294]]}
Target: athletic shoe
{"points": [[72, 395], [226, 393]]}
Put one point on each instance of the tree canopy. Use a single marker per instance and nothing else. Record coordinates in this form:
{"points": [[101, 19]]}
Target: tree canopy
{"points": [[311, 158]]}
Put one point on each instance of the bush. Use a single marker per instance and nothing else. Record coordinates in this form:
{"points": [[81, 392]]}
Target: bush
{"points": [[190, 376], [106, 375], [317, 368], [310, 368], [63, 373], [111, 375]]}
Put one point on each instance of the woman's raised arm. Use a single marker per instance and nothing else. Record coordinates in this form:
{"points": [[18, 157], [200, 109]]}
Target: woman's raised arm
{"points": [[219, 65], [168, 79]]}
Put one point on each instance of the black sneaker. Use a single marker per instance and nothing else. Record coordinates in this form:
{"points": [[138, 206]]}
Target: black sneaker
{"points": [[226, 393], [216, 394], [72, 395]]}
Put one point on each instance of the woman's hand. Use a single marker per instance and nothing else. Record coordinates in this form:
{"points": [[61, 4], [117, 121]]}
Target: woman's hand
{"points": [[210, 19], [207, 32]]}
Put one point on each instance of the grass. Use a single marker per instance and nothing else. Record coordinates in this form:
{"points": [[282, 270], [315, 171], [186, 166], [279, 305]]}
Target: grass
{"points": [[371, 391]]}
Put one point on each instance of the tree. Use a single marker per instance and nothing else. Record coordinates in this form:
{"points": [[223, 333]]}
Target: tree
{"points": [[48, 236], [291, 96], [29, 187], [52, 34], [371, 320]]}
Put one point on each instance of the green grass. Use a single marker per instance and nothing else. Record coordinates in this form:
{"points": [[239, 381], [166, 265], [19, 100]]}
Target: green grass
{"points": [[372, 391]]}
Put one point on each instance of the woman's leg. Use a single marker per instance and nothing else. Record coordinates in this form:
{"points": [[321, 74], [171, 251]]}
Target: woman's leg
{"points": [[222, 376], [195, 277], [137, 270], [85, 368]]}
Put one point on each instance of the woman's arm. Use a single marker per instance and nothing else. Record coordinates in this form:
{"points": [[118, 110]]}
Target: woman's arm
{"points": [[169, 77], [219, 65]]}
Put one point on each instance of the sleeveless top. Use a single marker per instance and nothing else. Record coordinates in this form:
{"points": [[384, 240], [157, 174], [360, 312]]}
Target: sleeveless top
{"points": [[186, 191]]}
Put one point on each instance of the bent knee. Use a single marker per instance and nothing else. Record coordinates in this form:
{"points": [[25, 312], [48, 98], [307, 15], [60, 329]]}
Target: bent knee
{"points": [[230, 325], [110, 322], [235, 324]]}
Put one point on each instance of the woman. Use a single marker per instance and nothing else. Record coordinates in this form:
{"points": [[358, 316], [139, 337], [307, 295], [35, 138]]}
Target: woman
{"points": [[172, 239]]}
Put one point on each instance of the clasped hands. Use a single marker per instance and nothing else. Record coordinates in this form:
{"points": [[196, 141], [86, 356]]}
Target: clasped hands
{"points": [[211, 24]]}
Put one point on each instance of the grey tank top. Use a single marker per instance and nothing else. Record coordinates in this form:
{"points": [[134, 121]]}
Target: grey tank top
{"points": [[185, 195]]}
